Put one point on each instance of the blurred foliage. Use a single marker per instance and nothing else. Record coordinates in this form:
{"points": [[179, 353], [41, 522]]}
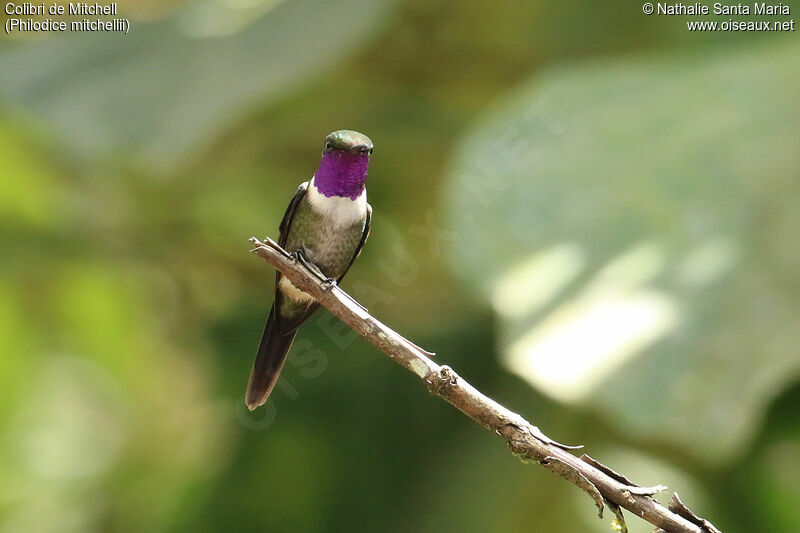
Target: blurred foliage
{"points": [[170, 85], [134, 168], [692, 272]]}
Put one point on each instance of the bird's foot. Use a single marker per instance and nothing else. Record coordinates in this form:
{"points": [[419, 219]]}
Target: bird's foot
{"points": [[300, 257]]}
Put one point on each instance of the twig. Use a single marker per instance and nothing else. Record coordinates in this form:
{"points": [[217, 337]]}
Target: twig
{"points": [[523, 438]]}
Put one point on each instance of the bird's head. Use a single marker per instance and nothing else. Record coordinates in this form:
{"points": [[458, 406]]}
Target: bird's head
{"points": [[345, 160], [348, 141]]}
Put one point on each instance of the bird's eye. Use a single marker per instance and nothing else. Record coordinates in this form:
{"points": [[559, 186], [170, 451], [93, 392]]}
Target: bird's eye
{"points": [[328, 146], [370, 151]]}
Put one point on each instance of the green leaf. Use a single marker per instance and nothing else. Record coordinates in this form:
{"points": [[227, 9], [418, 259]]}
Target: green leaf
{"points": [[169, 87], [635, 226]]}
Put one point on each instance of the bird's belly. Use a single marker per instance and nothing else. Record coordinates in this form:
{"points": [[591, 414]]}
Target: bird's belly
{"points": [[332, 249], [329, 246]]}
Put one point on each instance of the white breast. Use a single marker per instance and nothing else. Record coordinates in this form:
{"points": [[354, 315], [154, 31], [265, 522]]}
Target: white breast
{"points": [[341, 211]]}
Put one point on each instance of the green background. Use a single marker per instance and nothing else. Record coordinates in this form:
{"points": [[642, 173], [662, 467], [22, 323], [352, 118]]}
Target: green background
{"points": [[592, 214]]}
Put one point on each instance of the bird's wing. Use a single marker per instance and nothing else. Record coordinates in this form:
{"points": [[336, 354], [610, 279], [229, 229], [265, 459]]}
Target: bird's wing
{"points": [[289, 323], [288, 216], [364, 237], [285, 227]]}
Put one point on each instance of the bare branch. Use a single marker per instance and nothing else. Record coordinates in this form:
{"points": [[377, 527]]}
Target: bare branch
{"points": [[524, 439]]}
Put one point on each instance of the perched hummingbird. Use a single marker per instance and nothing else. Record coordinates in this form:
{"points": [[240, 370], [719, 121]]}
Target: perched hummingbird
{"points": [[324, 227]]}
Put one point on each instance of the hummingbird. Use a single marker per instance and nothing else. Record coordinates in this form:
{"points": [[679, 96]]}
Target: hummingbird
{"points": [[324, 228]]}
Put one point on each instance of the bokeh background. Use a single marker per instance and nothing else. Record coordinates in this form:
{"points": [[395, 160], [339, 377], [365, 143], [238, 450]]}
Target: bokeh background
{"points": [[592, 214]]}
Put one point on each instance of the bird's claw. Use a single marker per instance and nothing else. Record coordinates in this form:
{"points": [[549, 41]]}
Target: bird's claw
{"points": [[300, 258]]}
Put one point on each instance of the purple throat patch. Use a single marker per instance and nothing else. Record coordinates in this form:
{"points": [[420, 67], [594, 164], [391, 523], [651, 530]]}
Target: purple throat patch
{"points": [[342, 174]]}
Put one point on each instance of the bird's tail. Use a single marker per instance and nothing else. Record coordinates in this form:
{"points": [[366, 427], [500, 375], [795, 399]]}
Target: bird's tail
{"points": [[272, 354]]}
